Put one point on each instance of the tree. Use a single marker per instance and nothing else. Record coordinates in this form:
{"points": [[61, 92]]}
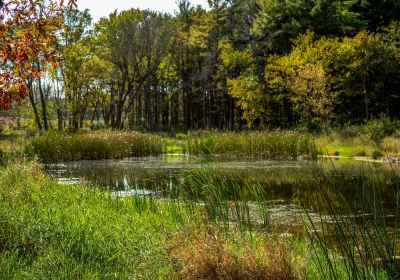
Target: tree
{"points": [[27, 30], [136, 43], [278, 22], [242, 82], [369, 69], [312, 99], [378, 13]]}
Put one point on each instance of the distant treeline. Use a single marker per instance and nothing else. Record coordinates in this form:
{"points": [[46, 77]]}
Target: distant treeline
{"points": [[254, 63]]}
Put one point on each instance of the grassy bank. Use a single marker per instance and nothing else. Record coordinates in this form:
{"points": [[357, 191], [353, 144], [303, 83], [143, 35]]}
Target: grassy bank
{"points": [[358, 146], [50, 231]]}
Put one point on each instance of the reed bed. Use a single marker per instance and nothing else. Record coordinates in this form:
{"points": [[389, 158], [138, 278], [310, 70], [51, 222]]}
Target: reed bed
{"points": [[354, 238], [59, 147], [269, 145]]}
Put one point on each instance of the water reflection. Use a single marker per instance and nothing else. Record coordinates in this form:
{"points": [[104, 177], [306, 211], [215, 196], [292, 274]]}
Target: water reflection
{"points": [[287, 181], [359, 194]]}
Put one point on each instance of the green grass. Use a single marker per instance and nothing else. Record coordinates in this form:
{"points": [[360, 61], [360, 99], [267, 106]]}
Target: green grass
{"points": [[49, 231], [357, 146]]}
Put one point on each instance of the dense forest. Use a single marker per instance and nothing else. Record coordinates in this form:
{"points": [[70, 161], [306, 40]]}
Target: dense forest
{"points": [[239, 63]]}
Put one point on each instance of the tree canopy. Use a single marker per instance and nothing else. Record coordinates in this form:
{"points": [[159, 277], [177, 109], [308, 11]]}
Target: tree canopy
{"points": [[254, 63]]}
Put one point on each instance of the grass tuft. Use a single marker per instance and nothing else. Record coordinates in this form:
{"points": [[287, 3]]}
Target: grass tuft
{"points": [[209, 254]]}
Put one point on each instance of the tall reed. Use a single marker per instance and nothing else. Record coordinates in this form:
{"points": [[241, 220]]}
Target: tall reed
{"points": [[59, 147], [270, 145], [361, 236], [225, 201]]}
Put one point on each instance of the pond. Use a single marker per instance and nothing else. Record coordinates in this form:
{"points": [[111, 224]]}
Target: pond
{"points": [[288, 186]]}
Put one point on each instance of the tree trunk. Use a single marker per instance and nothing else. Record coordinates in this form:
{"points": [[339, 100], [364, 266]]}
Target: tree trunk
{"points": [[35, 111], [43, 103], [60, 119]]}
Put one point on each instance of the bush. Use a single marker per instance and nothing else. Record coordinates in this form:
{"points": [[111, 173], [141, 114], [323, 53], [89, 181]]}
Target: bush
{"points": [[376, 154], [349, 132], [377, 129]]}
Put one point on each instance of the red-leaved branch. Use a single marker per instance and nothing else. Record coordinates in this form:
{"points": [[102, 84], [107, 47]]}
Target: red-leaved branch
{"points": [[28, 32]]}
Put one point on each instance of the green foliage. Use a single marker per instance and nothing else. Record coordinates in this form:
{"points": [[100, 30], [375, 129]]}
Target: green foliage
{"points": [[318, 79], [281, 21], [300, 83], [269, 63], [242, 82]]}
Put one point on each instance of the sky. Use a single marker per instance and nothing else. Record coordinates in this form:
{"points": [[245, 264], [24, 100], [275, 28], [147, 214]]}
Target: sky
{"points": [[102, 8]]}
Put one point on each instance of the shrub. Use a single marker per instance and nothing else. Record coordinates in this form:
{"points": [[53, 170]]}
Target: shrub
{"points": [[349, 132], [376, 154], [378, 129]]}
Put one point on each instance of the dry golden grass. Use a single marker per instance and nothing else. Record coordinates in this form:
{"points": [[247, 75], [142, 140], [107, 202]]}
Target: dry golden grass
{"points": [[207, 254], [391, 146]]}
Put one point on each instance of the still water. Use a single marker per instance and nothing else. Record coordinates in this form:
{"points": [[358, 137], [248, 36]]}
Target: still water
{"points": [[284, 182], [289, 187]]}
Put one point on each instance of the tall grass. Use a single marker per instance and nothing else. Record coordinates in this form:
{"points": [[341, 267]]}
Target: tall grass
{"points": [[227, 201], [360, 237], [58, 147], [271, 145], [49, 231]]}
